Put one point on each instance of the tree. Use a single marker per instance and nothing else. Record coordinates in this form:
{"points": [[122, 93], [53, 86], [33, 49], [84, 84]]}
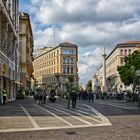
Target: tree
{"points": [[89, 85], [127, 71]]}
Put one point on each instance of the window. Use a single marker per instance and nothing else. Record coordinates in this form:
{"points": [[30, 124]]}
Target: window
{"points": [[129, 51], [71, 60], [68, 70], [64, 60], [64, 70], [71, 70], [68, 51], [125, 52], [71, 51], [121, 52]]}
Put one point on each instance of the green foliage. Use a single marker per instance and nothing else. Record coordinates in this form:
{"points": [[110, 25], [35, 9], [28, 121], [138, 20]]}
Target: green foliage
{"points": [[89, 85], [71, 79], [76, 88], [70, 84], [53, 91], [127, 72]]}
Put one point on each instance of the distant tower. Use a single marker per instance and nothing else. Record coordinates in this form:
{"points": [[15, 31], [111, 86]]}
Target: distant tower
{"points": [[104, 87]]}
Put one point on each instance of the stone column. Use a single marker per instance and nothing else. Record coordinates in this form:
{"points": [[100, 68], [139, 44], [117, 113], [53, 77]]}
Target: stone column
{"points": [[104, 86]]}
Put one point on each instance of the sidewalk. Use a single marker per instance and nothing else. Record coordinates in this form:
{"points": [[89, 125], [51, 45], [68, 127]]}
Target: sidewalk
{"points": [[123, 102]]}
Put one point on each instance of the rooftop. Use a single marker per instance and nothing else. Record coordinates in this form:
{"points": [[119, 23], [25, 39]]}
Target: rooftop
{"points": [[125, 44]]}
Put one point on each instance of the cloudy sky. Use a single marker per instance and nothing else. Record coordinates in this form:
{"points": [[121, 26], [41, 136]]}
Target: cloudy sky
{"points": [[91, 24]]}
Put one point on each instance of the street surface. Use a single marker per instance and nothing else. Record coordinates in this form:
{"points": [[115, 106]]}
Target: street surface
{"points": [[106, 120]]}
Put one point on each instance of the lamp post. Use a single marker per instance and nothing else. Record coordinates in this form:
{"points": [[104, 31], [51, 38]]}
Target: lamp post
{"points": [[138, 75]]}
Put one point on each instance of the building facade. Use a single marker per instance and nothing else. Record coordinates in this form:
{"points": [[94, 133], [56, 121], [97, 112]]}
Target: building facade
{"points": [[9, 55], [115, 59], [26, 45], [54, 66]]}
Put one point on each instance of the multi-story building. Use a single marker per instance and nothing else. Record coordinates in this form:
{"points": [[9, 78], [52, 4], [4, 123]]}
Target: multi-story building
{"points": [[40, 51], [115, 59], [55, 65], [9, 59], [26, 45]]}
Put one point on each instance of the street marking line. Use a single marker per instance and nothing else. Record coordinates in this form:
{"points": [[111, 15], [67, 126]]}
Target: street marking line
{"points": [[101, 116], [124, 105], [90, 113], [79, 114], [54, 107], [52, 128], [119, 106], [87, 113], [84, 115], [30, 117], [66, 122]]}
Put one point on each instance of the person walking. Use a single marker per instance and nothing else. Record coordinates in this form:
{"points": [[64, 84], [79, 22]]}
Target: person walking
{"points": [[90, 96], [44, 96], [40, 95], [73, 97], [4, 94]]}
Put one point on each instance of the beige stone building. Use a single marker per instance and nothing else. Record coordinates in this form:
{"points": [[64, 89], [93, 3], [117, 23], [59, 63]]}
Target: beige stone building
{"points": [[26, 45], [55, 65], [115, 59], [9, 55]]}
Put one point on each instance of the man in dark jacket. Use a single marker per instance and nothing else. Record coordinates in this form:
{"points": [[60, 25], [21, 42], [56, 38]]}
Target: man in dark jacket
{"points": [[73, 98], [90, 96]]}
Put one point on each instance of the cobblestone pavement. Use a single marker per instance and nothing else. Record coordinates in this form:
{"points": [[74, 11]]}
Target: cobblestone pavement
{"points": [[25, 119]]}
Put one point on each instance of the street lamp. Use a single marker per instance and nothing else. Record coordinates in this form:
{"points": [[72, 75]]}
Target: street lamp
{"points": [[138, 75]]}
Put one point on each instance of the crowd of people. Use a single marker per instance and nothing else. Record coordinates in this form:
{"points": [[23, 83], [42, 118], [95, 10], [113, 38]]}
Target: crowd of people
{"points": [[86, 95], [82, 95]]}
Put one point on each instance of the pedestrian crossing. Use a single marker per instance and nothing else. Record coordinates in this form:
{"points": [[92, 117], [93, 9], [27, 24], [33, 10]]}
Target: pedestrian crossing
{"points": [[56, 116]]}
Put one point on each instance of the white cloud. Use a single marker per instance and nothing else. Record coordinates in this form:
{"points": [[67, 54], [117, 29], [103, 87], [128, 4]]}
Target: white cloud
{"points": [[92, 24]]}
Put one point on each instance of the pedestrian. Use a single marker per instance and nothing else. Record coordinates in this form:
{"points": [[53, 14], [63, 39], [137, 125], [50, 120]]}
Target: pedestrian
{"points": [[90, 96], [73, 97], [40, 95], [44, 96], [27, 91], [4, 94]]}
